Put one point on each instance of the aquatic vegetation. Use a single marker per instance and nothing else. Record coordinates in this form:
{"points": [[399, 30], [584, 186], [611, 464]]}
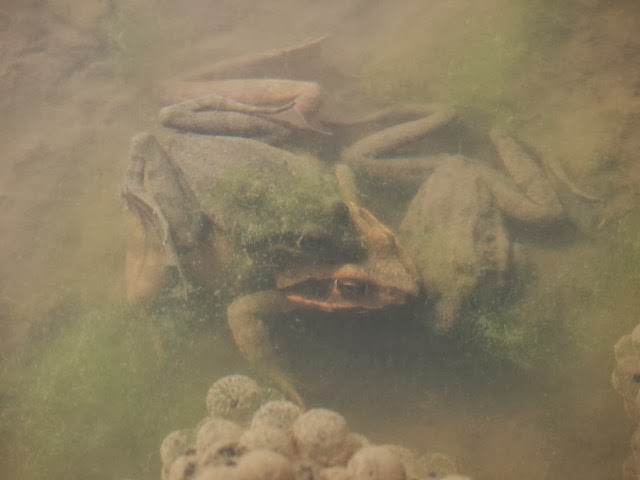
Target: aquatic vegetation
{"points": [[477, 75], [138, 46], [541, 329], [473, 71], [101, 388], [518, 334], [479, 65], [272, 207], [131, 40]]}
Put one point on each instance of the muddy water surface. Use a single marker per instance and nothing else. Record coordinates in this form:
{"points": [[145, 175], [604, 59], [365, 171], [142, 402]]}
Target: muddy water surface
{"points": [[89, 386]]}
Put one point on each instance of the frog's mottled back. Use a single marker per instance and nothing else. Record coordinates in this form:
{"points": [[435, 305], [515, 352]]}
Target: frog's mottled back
{"points": [[262, 196]]}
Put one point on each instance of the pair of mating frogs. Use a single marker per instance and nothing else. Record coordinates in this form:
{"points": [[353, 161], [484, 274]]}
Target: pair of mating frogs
{"points": [[215, 204]]}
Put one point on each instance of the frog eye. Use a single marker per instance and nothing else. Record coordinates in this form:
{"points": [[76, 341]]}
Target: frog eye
{"points": [[350, 288]]}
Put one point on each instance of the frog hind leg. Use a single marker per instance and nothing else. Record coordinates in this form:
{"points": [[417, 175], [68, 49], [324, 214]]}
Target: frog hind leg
{"points": [[534, 199], [245, 319], [260, 92], [245, 107]]}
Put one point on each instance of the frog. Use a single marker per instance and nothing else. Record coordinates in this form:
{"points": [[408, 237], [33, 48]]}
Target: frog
{"points": [[454, 226], [215, 202]]}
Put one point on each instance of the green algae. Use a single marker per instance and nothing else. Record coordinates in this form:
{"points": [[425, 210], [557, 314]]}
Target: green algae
{"points": [[133, 43], [521, 334], [473, 71], [99, 392], [479, 66], [284, 217], [477, 74], [301, 200], [569, 313]]}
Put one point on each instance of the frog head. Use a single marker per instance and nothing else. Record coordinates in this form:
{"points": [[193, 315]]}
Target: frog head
{"points": [[385, 276]]}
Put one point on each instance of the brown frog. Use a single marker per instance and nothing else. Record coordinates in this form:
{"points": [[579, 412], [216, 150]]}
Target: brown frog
{"points": [[454, 226], [215, 210]]}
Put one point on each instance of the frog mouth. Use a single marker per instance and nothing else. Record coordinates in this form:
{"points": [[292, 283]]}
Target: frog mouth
{"points": [[337, 288]]}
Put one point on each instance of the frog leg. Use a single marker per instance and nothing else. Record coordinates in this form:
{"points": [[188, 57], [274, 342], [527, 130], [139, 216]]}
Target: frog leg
{"points": [[288, 103], [245, 318], [254, 80], [216, 114], [150, 227], [527, 193], [365, 153]]}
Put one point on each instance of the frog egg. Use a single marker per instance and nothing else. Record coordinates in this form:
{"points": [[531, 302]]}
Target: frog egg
{"points": [[624, 348], [408, 459], [436, 465], [635, 337], [629, 469], [183, 468], [626, 375], [334, 473], [216, 430], [173, 445], [266, 436], [221, 454], [635, 445], [376, 463], [305, 469], [322, 436], [360, 440], [255, 465], [278, 414], [234, 397]]}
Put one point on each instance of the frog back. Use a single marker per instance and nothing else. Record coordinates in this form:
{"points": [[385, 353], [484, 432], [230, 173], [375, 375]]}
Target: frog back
{"points": [[255, 191]]}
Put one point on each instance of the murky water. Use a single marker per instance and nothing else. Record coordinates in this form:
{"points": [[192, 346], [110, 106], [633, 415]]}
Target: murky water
{"points": [[89, 386]]}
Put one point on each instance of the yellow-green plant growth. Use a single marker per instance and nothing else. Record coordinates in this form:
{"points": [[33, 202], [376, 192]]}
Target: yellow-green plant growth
{"points": [[102, 388]]}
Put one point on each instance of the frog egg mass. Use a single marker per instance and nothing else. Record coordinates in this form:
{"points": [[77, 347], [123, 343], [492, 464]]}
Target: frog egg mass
{"points": [[250, 436]]}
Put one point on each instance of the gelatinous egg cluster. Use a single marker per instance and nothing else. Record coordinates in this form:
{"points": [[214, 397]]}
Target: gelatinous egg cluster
{"points": [[253, 433], [626, 381]]}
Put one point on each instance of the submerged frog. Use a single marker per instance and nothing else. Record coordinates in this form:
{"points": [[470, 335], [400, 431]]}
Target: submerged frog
{"points": [[454, 227], [214, 210]]}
